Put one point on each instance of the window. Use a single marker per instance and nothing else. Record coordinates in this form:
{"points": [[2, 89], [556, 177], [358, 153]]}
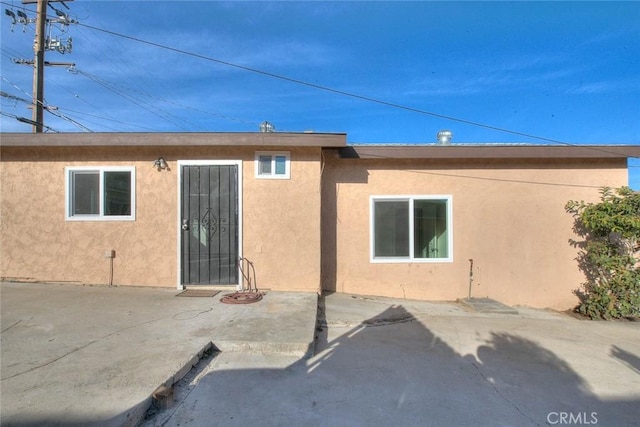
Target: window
{"points": [[273, 165], [411, 229], [100, 193]]}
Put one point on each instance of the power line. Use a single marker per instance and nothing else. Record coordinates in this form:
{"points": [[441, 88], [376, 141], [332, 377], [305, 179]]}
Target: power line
{"points": [[142, 104], [74, 94], [129, 93], [332, 90], [44, 41], [516, 181], [70, 120], [130, 85], [129, 90], [105, 49], [336, 91], [25, 120], [13, 97], [105, 119], [486, 178], [44, 107], [23, 91]]}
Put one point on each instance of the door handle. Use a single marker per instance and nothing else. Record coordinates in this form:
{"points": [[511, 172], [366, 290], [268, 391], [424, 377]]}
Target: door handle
{"points": [[185, 224]]}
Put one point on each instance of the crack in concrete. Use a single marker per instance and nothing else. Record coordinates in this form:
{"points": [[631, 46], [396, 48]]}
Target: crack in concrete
{"points": [[158, 417], [501, 395], [9, 327], [174, 316]]}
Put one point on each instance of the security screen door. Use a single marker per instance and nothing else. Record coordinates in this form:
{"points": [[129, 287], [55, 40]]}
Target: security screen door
{"points": [[209, 210]]}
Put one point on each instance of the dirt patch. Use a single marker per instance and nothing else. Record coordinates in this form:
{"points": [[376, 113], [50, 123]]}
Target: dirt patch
{"points": [[577, 315]]}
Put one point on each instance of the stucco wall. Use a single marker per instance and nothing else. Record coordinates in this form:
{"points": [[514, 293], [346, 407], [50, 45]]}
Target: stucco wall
{"points": [[281, 218], [508, 216]]}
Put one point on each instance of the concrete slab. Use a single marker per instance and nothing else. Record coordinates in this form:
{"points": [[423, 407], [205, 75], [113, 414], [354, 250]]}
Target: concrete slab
{"points": [[381, 362], [487, 305], [94, 355]]}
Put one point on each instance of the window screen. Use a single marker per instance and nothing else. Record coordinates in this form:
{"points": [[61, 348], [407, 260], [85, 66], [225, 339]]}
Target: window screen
{"points": [[100, 193], [411, 228]]}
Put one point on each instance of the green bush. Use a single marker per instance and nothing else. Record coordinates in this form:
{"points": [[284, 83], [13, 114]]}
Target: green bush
{"points": [[609, 254]]}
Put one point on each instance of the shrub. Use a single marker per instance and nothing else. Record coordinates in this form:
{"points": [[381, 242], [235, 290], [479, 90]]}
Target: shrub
{"points": [[609, 254]]}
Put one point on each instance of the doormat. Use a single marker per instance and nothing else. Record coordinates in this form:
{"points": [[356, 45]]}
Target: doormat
{"points": [[198, 293]]}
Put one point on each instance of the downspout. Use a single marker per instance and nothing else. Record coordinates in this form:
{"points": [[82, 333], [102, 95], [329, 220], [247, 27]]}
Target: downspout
{"points": [[320, 184]]}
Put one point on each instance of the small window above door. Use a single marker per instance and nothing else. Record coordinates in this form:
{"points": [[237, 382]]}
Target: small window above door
{"points": [[273, 165]]}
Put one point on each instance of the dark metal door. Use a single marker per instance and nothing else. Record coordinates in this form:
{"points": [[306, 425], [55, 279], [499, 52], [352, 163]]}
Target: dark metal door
{"points": [[209, 224]]}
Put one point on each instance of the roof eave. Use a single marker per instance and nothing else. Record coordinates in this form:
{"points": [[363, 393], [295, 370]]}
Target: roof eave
{"points": [[120, 139], [490, 151]]}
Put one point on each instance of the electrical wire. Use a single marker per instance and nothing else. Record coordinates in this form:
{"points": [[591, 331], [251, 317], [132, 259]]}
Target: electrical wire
{"points": [[25, 120], [128, 94], [9, 53], [335, 91], [74, 94], [44, 106], [331, 90], [42, 103], [82, 113], [70, 120], [122, 72], [516, 181], [119, 70], [110, 49], [142, 104]]}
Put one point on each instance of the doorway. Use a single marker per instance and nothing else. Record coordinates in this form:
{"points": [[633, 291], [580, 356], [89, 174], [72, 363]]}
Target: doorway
{"points": [[210, 223]]}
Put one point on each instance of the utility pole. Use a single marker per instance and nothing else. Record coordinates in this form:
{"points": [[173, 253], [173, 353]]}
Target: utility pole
{"points": [[40, 46], [38, 66]]}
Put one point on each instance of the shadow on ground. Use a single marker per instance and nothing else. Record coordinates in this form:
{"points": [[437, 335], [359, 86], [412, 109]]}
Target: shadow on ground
{"points": [[629, 359], [392, 370]]}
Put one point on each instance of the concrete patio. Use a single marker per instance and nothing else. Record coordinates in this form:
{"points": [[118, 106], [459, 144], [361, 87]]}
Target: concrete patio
{"points": [[74, 355], [94, 355]]}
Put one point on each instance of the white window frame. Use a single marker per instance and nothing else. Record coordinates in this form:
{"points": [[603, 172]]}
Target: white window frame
{"points": [[411, 199], [69, 216], [273, 155]]}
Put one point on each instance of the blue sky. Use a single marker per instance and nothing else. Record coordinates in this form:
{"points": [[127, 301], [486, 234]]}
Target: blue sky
{"points": [[565, 71]]}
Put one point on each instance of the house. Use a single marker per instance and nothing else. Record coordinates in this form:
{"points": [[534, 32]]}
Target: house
{"points": [[309, 211]]}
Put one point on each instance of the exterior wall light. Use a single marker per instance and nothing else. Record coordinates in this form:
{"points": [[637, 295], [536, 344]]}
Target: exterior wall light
{"points": [[160, 163]]}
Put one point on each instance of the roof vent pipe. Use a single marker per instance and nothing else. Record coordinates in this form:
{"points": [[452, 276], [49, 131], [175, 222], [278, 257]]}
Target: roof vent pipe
{"points": [[267, 127], [445, 137]]}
